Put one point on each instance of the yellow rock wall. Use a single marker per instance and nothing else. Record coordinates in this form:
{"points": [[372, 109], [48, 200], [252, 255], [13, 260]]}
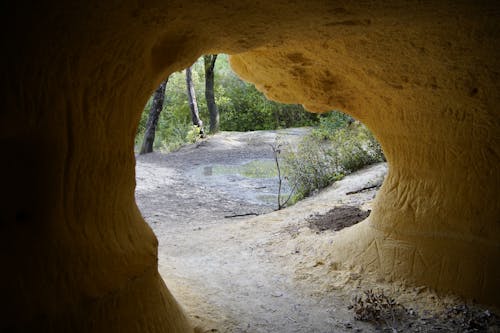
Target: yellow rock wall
{"points": [[424, 76]]}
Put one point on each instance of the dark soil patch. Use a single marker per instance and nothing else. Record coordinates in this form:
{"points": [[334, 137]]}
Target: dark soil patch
{"points": [[338, 218]]}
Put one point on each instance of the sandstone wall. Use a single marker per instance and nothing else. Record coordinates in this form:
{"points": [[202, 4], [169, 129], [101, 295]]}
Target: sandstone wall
{"points": [[424, 76]]}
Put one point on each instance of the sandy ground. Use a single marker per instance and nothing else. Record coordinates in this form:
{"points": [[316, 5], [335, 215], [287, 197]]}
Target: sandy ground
{"points": [[268, 273]]}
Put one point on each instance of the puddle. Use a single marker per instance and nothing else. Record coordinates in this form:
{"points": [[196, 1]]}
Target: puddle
{"points": [[254, 181], [265, 168], [269, 198]]}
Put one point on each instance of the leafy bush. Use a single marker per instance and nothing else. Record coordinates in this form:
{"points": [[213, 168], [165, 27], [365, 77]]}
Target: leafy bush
{"points": [[193, 134], [313, 166], [334, 149], [329, 123], [174, 129], [173, 137], [247, 109]]}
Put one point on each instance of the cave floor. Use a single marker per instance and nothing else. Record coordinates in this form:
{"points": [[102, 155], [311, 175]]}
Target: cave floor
{"points": [[265, 273]]}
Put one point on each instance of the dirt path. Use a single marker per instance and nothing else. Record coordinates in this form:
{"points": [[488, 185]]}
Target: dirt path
{"points": [[263, 274], [183, 189], [223, 270]]}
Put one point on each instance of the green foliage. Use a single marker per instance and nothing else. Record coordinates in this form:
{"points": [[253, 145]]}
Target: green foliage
{"points": [[312, 167], [193, 134], [329, 123], [247, 109], [174, 126], [241, 107], [332, 150]]}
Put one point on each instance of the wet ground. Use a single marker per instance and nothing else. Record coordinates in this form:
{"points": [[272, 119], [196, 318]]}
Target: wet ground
{"points": [[227, 174]]}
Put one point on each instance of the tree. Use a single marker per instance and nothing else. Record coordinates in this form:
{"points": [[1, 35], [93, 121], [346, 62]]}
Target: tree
{"points": [[209, 61], [193, 105], [154, 114]]}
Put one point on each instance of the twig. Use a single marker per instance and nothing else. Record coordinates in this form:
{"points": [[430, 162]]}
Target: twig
{"points": [[239, 215], [276, 147], [276, 151], [289, 196], [362, 189]]}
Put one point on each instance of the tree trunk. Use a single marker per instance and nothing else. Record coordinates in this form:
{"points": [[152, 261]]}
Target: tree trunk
{"points": [[193, 105], [154, 114], [209, 61]]}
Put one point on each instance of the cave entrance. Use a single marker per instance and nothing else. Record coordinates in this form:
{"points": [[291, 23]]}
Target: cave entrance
{"points": [[224, 251]]}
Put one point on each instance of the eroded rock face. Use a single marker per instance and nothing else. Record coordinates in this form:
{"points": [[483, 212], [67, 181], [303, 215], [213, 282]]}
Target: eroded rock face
{"points": [[423, 77], [424, 91]]}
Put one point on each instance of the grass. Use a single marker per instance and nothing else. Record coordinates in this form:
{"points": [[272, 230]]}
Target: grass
{"points": [[252, 169]]}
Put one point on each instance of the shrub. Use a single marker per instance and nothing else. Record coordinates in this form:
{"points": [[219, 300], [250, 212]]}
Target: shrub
{"points": [[313, 166], [329, 123], [247, 109], [334, 149]]}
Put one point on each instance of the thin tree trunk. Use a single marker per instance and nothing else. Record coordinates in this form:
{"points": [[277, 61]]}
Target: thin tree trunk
{"points": [[193, 105], [209, 61], [154, 114]]}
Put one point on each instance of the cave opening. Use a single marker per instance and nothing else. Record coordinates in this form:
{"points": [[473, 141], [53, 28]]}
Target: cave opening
{"points": [[199, 200]]}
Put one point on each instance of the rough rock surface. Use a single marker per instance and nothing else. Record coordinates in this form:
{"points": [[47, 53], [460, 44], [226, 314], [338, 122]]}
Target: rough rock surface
{"points": [[424, 77]]}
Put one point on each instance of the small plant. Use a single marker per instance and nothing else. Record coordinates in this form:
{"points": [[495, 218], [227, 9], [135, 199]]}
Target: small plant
{"points": [[276, 147], [378, 308], [193, 134]]}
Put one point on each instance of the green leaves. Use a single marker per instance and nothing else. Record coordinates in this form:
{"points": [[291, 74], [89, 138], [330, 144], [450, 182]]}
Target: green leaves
{"points": [[332, 150], [241, 106]]}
